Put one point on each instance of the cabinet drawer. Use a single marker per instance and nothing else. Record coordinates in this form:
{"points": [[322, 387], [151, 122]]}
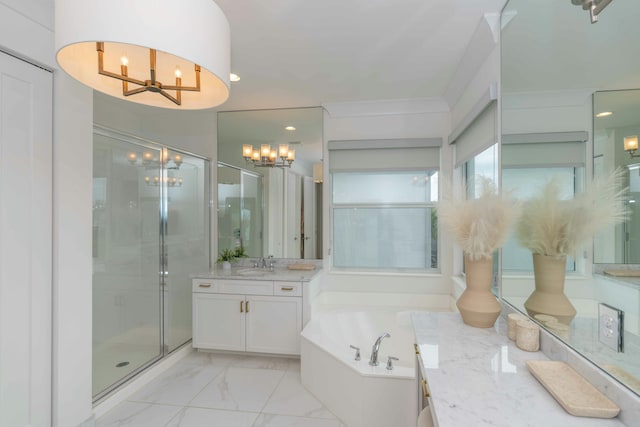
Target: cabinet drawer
{"points": [[245, 287], [204, 285], [292, 289]]}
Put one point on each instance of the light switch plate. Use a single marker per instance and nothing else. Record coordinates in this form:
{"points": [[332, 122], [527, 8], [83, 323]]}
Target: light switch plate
{"points": [[611, 327]]}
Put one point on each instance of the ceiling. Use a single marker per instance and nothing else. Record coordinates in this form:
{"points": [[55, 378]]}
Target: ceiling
{"points": [[300, 53], [551, 45]]}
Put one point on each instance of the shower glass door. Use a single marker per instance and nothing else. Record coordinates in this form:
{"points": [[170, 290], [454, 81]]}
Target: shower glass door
{"points": [[150, 233], [185, 240], [126, 259]]}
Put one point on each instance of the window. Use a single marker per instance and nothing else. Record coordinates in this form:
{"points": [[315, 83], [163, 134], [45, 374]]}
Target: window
{"points": [[385, 219], [527, 182]]}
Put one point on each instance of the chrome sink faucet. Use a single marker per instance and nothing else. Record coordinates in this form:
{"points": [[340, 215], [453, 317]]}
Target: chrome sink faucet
{"points": [[374, 351], [262, 263]]}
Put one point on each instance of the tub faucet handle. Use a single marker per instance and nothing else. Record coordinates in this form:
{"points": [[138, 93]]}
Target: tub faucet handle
{"points": [[357, 349], [390, 362]]}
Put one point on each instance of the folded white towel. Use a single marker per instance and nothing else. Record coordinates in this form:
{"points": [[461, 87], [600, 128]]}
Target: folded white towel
{"points": [[425, 419]]}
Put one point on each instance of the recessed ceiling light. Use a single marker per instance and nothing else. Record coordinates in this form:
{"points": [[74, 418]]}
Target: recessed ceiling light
{"points": [[234, 77], [290, 128], [604, 114]]}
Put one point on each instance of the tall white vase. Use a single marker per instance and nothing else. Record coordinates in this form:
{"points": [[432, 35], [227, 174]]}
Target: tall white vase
{"points": [[477, 304], [548, 296]]}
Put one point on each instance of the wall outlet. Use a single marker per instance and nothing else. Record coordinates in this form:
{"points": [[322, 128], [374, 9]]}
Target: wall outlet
{"points": [[611, 327]]}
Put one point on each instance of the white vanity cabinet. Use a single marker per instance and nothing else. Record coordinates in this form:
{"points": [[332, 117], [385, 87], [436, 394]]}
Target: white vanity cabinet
{"points": [[247, 315]]}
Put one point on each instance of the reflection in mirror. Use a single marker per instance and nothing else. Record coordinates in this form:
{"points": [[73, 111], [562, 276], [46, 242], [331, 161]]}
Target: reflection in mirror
{"points": [[621, 243], [547, 82], [484, 164], [527, 167], [270, 182], [239, 210]]}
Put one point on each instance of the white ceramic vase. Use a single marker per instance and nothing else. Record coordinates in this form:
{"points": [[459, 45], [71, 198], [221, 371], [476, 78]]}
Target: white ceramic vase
{"points": [[477, 304]]}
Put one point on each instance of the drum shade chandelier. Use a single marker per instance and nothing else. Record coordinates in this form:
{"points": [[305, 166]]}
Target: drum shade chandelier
{"points": [[154, 52]]}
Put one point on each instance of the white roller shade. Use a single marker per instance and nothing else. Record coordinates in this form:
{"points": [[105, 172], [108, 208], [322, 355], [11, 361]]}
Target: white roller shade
{"points": [[550, 149], [478, 136], [384, 154]]}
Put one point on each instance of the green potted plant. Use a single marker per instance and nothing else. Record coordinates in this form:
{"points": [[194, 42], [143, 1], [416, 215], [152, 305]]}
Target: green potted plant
{"points": [[480, 226], [228, 255], [552, 228], [225, 257]]}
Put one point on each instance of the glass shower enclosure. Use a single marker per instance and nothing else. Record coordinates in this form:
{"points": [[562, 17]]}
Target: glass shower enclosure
{"points": [[151, 230]]}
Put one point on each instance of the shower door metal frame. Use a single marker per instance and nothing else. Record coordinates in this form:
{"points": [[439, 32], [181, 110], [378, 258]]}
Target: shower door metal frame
{"points": [[163, 264]]}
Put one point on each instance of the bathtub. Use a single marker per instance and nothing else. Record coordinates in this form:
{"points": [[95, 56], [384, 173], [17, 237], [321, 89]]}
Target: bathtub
{"points": [[359, 394]]}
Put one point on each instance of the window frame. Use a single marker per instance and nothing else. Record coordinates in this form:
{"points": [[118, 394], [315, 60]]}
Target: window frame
{"points": [[428, 206]]}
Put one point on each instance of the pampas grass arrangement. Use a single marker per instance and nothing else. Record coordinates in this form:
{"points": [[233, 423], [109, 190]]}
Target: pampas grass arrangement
{"points": [[554, 227], [481, 225]]}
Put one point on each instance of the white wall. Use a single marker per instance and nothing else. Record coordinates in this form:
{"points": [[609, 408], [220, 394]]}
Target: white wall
{"points": [[72, 197], [26, 30]]}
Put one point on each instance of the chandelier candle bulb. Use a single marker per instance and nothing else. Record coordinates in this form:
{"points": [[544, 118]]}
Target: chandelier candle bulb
{"points": [[631, 143], [291, 155], [247, 151], [132, 157], [284, 150], [265, 149]]}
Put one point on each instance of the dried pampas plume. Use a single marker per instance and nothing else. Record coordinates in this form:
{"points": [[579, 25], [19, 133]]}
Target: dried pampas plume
{"points": [[555, 227], [479, 225]]}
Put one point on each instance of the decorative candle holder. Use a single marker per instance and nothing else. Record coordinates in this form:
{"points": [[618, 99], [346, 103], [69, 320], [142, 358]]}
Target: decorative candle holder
{"points": [[527, 335], [512, 320]]}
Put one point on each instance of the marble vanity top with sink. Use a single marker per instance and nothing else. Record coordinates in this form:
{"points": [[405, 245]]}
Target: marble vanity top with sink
{"points": [[252, 273], [478, 377]]}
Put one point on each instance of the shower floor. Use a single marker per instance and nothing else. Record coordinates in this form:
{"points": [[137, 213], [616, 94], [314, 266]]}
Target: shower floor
{"points": [[137, 347]]}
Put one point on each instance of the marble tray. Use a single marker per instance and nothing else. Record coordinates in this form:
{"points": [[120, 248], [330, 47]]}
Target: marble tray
{"points": [[301, 267], [575, 394], [623, 273]]}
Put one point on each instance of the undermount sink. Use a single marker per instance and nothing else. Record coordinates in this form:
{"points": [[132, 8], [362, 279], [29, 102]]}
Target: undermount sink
{"points": [[254, 272]]}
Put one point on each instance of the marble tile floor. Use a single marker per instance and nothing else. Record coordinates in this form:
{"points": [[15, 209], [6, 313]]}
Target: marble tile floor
{"points": [[219, 390]]}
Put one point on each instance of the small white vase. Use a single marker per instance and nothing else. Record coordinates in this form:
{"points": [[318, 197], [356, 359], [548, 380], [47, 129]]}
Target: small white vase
{"points": [[226, 265]]}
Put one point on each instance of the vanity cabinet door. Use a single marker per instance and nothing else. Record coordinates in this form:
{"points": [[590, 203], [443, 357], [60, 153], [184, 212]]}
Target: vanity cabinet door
{"points": [[219, 321], [274, 324]]}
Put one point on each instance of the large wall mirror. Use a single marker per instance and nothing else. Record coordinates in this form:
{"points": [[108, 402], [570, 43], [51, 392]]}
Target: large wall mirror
{"points": [[270, 182], [617, 117], [558, 70]]}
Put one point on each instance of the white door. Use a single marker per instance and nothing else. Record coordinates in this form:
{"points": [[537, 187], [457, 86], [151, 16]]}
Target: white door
{"points": [[274, 324], [293, 210], [218, 321], [309, 217], [25, 243]]}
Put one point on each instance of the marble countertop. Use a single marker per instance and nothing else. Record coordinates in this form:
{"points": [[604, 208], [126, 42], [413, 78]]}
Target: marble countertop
{"points": [[249, 273], [478, 377]]}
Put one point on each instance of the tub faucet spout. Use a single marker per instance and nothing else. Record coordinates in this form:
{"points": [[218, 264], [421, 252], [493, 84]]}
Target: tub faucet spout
{"points": [[374, 351]]}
